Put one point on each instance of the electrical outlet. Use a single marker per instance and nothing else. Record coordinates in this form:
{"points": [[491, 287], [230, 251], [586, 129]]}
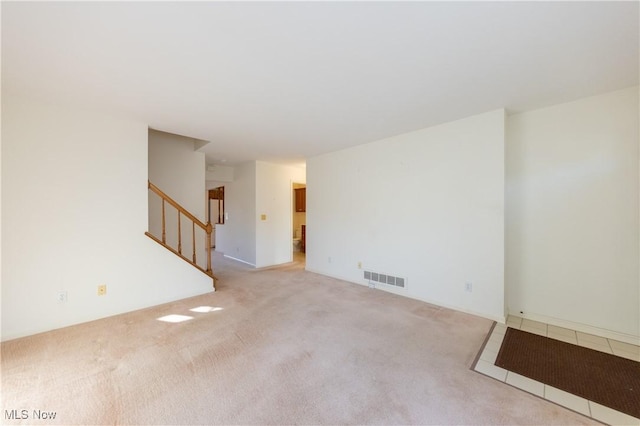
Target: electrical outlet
{"points": [[468, 287], [359, 265], [329, 259], [62, 296], [102, 289]]}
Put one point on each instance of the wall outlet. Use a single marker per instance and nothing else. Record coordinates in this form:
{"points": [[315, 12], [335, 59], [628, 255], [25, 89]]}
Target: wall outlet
{"points": [[329, 259], [102, 289], [359, 265], [62, 296], [468, 287]]}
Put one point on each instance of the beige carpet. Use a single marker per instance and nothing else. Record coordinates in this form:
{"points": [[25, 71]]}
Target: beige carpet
{"points": [[288, 347]]}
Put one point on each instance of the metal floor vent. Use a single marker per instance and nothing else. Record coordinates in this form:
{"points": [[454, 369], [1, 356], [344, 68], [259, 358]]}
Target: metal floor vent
{"points": [[384, 279]]}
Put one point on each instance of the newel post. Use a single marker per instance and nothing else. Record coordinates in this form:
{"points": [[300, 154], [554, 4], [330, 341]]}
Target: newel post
{"points": [[209, 230]]}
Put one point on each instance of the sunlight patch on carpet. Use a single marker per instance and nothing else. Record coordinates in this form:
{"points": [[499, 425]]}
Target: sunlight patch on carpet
{"points": [[175, 318], [206, 309]]}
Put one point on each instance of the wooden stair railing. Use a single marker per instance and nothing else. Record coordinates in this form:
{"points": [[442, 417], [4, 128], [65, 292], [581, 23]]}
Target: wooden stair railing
{"points": [[207, 228]]}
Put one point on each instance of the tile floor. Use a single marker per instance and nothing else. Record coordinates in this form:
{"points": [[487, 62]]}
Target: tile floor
{"points": [[486, 366]]}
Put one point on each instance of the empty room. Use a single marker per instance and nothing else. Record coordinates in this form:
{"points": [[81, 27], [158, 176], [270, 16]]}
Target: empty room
{"points": [[320, 213]]}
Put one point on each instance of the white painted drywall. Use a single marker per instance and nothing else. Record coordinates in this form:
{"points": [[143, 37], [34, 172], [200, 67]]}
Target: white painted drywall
{"points": [[237, 237], [219, 173], [274, 199], [572, 212], [179, 171], [74, 213], [426, 205], [259, 188]]}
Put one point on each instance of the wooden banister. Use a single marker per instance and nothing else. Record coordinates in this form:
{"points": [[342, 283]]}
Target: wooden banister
{"points": [[177, 206], [207, 228]]}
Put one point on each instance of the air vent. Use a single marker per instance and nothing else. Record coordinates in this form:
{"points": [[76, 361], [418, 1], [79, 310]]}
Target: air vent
{"points": [[384, 279]]}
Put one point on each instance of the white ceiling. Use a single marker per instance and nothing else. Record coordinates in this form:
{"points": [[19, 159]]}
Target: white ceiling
{"points": [[282, 82]]}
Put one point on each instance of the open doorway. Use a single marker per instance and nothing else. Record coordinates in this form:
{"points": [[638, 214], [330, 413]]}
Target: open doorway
{"points": [[216, 210], [299, 222]]}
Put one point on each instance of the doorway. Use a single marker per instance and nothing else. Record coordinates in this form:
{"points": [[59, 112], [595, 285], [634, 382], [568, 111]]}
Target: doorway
{"points": [[216, 210], [299, 221]]}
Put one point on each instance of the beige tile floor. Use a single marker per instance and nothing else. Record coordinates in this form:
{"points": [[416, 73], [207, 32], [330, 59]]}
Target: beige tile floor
{"points": [[486, 365]]}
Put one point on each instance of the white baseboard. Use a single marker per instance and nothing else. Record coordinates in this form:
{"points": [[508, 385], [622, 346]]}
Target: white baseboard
{"points": [[239, 260], [500, 319], [584, 328], [389, 289]]}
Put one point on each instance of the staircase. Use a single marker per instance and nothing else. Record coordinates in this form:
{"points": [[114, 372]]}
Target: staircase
{"points": [[174, 243]]}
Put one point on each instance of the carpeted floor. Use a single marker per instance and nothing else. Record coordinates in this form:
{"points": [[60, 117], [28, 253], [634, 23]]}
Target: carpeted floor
{"points": [[607, 379], [287, 347]]}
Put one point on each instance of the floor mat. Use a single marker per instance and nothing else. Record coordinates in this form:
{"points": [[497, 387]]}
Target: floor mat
{"points": [[597, 376]]}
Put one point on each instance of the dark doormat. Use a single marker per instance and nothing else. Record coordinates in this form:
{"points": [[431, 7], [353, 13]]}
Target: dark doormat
{"points": [[603, 378]]}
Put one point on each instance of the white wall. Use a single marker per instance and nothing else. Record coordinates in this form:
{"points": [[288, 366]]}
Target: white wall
{"points": [[259, 188], [219, 174], [572, 213], [179, 171], [74, 213], [426, 205], [237, 237], [274, 199]]}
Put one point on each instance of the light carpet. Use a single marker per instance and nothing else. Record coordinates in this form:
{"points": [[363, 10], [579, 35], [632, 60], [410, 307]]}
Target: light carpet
{"points": [[287, 347]]}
